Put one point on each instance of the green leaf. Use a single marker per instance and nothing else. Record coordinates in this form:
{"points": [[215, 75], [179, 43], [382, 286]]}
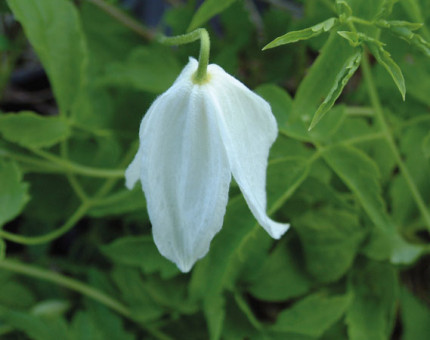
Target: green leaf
{"points": [[426, 146], [347, 71], [281, 277], [134, 293], [330, 240], [325, 78], [151, 69], [312, 315], [304, 34], [13, 191], [415, 316], [371, 315], [404, 30], [2, 249], [384, 58], [29, 129], [207, 10], [35, 327], [361, 175], [13, 293], [139, 252], [54, 30]]}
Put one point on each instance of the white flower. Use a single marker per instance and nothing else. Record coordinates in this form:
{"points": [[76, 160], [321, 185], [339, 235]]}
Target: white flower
{"points": [[193, 137]]}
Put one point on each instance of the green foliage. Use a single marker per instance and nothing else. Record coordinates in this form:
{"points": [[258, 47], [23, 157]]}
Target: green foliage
{"points": [[349, 171], [31, 130]]}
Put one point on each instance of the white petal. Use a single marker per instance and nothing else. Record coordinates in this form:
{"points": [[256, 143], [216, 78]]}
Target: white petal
{"points": [[132, 174], [248, 128], [185, 173]]}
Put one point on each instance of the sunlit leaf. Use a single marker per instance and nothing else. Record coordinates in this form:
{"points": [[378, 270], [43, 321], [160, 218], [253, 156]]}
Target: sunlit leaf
{"points": [[54, 30], [29, 129], [304, 34]]}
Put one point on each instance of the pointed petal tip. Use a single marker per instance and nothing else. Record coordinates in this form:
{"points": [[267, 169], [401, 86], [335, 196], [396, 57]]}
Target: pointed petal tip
{"points": [[276, 229]]}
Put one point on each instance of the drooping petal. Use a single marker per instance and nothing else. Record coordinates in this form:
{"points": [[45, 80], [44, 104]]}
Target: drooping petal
{"points": [[248, 129], [184, 172], [132, 174]]}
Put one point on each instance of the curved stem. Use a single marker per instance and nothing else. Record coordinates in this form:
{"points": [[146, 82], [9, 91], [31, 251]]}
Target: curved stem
{"points": [[200, 76], [78, 168], [374, 98], [33, 240], [80, 287]]}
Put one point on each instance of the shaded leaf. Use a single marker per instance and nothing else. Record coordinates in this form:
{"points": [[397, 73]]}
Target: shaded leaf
{"points": [[312, 315], [281, 276], [13, 192], [330, 240], [371, 314]]}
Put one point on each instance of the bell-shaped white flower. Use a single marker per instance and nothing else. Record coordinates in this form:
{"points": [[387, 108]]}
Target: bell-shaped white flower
{"points": [[193, 137]]}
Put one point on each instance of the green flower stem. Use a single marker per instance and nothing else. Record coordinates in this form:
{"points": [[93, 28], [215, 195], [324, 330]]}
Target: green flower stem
{"points": [[200, 76], [77, 286], [374, 98]]}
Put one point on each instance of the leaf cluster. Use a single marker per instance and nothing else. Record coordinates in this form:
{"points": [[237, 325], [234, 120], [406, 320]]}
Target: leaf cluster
{"points": [[349, 170]]}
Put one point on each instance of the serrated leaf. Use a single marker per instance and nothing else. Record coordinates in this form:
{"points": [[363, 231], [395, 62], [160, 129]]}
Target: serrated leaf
{"points": [[54, 30], [371, 314], [29, 129], [13, 191], [404, 30], [384, 58], [207, 10], [139, 252], [281, 276], [361, 175], [322, 77], [303, 34], [312, 315], [346, 72], [330, 240]]}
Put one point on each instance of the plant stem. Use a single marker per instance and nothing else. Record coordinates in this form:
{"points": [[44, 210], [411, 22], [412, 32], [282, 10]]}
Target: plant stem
{"points": [[124, 19], [200, 76], [71, 167], [374, 98], [80, 287], [64, 281], [33, 240]]}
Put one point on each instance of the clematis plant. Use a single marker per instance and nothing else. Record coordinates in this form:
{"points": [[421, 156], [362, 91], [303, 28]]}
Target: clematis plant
{"points": [[206, 127]]}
